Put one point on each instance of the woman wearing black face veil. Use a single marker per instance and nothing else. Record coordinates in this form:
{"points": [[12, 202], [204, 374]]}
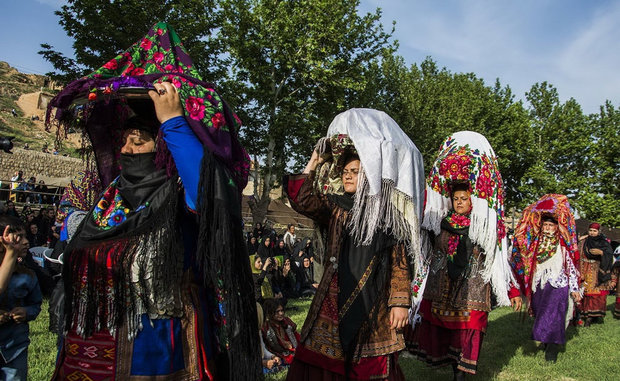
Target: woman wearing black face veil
{"points": [[156, 277]]}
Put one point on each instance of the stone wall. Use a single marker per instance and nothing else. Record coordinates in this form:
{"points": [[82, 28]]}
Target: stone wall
{"points": [[39, 164]]}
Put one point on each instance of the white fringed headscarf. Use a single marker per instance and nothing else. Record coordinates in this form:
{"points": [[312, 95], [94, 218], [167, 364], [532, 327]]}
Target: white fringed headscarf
{"points": [[390, 191], [468, 157]]}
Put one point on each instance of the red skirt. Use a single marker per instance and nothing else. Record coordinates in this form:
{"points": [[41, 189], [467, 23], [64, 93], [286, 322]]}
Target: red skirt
{"points": [[439, 343], [594, 305], [302, 371]]}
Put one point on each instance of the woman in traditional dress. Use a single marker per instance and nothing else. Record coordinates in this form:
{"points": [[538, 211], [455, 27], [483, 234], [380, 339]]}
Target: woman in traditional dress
{"points": [[596, 263], [545, 261], [279, 332], [363, 184], [156, 276], [465, 212]]}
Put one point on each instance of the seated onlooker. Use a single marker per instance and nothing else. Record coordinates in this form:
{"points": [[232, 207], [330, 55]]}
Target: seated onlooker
{"points": [[34, 236], [10, 209], [290, 237], [308, 285], [271, 362], [264, 249], [279, 332], [287, 281], [281, 250], [252, 245], [262, 284]]}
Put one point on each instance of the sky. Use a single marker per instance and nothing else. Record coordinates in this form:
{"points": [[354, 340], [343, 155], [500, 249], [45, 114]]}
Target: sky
{"points": [[571, 44]]}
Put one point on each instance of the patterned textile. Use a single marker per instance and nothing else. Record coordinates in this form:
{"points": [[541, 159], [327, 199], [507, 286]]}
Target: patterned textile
{"points": [[105, 94], [528, 235], [89, 359], [111, 210], [372, 368], [594, 306], [456, 221], [467, 157], [80, 194]]}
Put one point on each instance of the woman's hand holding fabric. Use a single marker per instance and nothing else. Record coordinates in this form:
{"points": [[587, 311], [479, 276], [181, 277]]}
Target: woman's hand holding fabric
{"points": [[166, 100], [314, 162], [576, 296], [516, 303], [596, 251], [398, 317]]}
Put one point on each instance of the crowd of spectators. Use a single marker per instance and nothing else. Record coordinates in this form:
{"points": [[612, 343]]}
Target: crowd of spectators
{"points": [[283, 269], [282, 264], [29, 190]]}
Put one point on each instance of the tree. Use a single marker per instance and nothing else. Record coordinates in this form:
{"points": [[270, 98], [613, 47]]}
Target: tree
{"points": [[295, 61], [102, 29]]}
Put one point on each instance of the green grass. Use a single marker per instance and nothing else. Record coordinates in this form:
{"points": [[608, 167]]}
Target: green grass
{"points": [[508, 353]]}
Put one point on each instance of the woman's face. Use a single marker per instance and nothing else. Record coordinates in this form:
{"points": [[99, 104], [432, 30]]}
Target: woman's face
{"points": [[306, 262], [253, 240], [258, 263], [461, 202], [137, 141], [267, 241], [278, 314], [593, 232], [349, 176], [281, 244], [549, 227], [287, 262]]}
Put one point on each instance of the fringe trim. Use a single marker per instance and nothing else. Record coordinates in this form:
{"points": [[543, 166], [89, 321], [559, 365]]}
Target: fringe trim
{"points": [[482, 232], [549, 270], [389, 211], [146, 272]]}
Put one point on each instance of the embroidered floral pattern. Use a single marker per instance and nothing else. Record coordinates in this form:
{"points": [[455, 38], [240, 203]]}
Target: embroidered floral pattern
{"points": [[528, 246], [457, 221], [161, 51], [460, 163], [111, 210]]}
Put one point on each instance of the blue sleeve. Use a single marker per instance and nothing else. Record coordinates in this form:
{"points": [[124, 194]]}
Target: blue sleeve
{"points": [[32, 302], [187, 152]]}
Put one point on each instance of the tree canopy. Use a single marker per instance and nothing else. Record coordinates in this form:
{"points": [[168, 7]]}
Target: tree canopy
{"points": [[288, 67]]}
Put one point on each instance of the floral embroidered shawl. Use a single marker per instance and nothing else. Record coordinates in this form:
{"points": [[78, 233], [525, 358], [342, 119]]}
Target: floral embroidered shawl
{"points": [[95, 103], [468, 157], [528, 234]]}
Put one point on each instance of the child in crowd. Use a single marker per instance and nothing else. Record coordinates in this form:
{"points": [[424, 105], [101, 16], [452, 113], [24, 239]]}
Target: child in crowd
{"points": [[271, 362], [19, 303], [279, 332]]}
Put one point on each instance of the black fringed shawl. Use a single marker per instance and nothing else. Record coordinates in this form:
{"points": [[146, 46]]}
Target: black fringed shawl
{"points": [[222, 251], [92, 306]]}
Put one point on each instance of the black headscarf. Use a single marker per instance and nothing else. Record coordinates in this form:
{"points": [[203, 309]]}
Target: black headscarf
{"points": [[264, 251], [607, 259], [457, 266]]}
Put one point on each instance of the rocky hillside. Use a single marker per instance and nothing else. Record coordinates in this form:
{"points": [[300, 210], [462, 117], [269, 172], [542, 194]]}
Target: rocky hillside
{"points": [[20, 92]]}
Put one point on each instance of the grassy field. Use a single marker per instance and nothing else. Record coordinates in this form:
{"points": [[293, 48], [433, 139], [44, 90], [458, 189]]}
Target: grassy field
{"points": [[507, 351]]}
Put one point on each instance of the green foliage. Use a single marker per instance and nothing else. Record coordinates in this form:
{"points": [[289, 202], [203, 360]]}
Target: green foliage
{"points": [[293, 63], [288, 67]]}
